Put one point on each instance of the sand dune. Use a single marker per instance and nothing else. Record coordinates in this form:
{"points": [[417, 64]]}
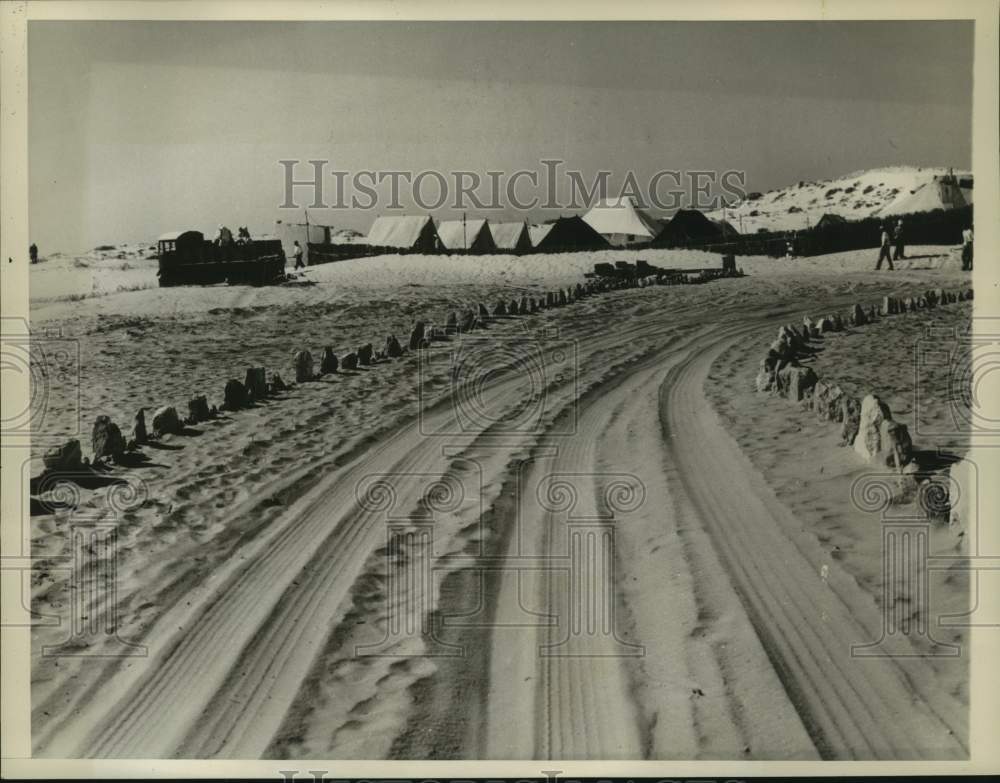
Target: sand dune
{"points": [[855, 196]]}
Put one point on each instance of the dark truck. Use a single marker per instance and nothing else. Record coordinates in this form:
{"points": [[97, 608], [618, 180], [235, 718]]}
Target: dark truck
{"points": [[625, 270], [187, 258]]}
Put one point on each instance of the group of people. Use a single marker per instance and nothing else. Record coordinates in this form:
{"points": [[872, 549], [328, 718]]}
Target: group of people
{"points": [[224, 237], [891, 237]]}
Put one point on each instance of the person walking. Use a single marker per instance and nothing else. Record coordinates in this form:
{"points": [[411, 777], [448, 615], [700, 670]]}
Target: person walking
{"points": [[885, 251], [899, 242], [297, 253], [967, 249]]}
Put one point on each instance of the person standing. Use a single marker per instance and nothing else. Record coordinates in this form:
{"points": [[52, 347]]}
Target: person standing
{"points": [[967, 240], [33, 253], [297, 253], [224, 241], [899, 242], [885, 251]]}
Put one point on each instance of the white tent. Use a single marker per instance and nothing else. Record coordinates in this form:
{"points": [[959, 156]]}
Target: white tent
{"points": [[466, 235], [539, 232], [620, 221], [415, 232], [511, 236]]}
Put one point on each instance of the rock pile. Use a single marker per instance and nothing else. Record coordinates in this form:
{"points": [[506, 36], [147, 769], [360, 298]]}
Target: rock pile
{"points": [[794, 381], [303, 367], [107, 440], [198, 410], [276, 384], [255, 383], [166, 421], [328, 361], [234, 396], [392, 347], [417, 335], [866, 425], [65, 458], [139, 434]]}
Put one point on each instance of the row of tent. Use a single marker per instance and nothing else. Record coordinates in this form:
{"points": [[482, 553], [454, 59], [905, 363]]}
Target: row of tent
{"points": [[479, 235], [611, 223]]}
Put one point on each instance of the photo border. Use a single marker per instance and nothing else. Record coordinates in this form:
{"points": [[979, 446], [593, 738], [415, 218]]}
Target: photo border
{"points": [[15, 683]]}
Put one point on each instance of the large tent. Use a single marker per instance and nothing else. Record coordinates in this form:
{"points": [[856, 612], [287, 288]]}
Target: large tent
{"points": [[471, 235], [689, 226], [571, 233], [511, 236], [407, 232], [621, 222], [939, 193]]}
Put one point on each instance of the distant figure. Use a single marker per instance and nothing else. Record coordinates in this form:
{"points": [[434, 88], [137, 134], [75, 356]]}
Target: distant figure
{"points": [[885, 251], [243, 236], [967, 249], [224, 241], [33, 253], [898, 237], [297, 252], [224, 237]]}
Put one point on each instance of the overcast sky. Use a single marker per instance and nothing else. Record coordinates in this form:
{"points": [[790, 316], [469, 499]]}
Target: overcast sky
{"points": [[137, 128]]}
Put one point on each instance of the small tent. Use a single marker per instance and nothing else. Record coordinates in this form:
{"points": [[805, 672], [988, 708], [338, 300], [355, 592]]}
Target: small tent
{"points": [[471, 235], [570, 233], [830, 220], [511, 236], [691, 227], [406, 232], [621, 222]]}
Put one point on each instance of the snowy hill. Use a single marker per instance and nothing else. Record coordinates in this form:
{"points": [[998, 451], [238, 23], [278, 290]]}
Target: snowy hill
{"points": [[885, 191]]}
